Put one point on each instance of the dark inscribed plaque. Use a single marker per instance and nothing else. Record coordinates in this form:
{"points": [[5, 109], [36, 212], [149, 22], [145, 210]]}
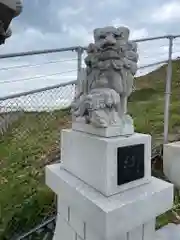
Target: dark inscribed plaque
{"points": [[130, 163]]}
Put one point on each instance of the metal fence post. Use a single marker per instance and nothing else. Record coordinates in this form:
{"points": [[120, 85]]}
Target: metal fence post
{"points": [[168, 90], [80, 51]]}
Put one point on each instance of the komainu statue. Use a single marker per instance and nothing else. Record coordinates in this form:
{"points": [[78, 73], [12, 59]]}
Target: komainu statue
{"points": [[107, 81]]}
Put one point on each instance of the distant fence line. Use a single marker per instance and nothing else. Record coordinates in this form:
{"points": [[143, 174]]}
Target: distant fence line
{"points": [[80, 50], [22, 94]]}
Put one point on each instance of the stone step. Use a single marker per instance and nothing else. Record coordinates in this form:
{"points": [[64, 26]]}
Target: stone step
{"points": [[169, 232]]}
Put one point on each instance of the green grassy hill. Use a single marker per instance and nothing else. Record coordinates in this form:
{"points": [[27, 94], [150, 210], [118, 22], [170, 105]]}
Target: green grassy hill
{"points": [[147, 103], [34, 140]]}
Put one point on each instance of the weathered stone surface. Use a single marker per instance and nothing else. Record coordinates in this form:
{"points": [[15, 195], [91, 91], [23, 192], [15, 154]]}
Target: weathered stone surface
{"points": [[107, 81], [94, 159], [171, 162], [169, 232], [111, 217]]}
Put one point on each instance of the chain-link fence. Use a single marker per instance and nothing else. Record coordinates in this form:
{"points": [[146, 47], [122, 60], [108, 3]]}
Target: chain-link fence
{"points": [[46, 100], [31, 117], [57, 97]]}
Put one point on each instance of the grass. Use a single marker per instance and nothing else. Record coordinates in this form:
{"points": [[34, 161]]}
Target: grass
{"points": [[147, 103], [24, 151], [34, 140]]}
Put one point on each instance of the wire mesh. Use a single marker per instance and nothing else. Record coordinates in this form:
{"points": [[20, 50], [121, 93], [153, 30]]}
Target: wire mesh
{"points": [[42, 104], [30, 127], [44, 231]]}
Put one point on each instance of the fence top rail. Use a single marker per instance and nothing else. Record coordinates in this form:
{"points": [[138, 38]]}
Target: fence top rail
{"points": [[74, 48], [156, 38], [38, 52], [23, 94]]}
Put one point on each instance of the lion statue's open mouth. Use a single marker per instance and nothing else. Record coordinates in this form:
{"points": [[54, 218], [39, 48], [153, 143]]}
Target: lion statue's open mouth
{"points": [[109, 53]]}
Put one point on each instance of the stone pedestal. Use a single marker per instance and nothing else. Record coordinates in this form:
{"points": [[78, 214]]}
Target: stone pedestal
{"points": [[105, 189], [109, 164], [171, 162]]}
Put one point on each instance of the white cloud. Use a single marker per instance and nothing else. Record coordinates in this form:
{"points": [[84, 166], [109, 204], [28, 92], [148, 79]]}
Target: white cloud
{"points": [[107, 3], [117, 22], [139, 33], [134, 33], [32, 39], [67, 12], [167, 12], [79, 33], [23, 41]]}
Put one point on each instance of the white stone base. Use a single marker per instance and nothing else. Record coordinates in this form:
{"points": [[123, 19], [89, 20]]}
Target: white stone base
{"points": [[65, 229], [171, 162], [93, 216], [70, 230], [112, 131], [93, 159], [168, 232]]}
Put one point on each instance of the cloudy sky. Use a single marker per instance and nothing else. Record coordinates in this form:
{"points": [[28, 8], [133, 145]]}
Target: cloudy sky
{"points": [[48, 24]]}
